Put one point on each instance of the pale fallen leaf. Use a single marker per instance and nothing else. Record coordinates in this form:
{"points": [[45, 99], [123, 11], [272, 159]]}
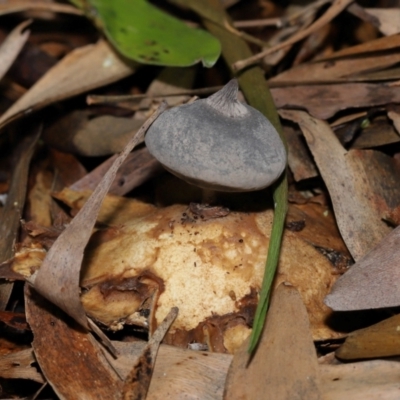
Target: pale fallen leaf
{"points": [[81, 70], [181, 373], [285, 364], [359, 219], [373, 282], [377, 379], [395, 117], [12, 45], [13, 6]]}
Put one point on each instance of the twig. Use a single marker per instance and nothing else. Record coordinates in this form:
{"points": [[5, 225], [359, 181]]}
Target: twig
{"points": [[336, 8]]}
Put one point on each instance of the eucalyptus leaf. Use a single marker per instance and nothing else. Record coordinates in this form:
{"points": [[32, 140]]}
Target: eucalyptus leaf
{"points": [[144, 33]]}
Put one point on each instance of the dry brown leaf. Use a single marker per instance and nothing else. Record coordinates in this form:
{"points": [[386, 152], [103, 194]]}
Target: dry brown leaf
{"points": [[13, 6], [375, 379], [79, 133], [138, 167], [81, 70], [18, 365], [71, 360], [324, 101], [395, 117], [285, 364], [378, 340], [336, 8], [346, 65], [344, 173], [58, 278], [11, 213], [181, 373], [11, 46], [137, 382], [373, 282]]}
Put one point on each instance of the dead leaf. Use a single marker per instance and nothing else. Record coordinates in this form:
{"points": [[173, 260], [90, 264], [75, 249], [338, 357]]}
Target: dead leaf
{"points": [[70, 359], [81, 70], [11, 47], [378, 340], [395, 117], [18, 365], [285, 364], [373, 282], [58, 278], [377, 379], [137, 382], [324, 101], [138, 167], [181, 373], [344, 173], [13, 6], [11, 213]]}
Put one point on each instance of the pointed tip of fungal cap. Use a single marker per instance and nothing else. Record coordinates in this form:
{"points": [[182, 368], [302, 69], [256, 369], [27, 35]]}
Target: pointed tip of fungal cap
{"points": [[225, 101]]}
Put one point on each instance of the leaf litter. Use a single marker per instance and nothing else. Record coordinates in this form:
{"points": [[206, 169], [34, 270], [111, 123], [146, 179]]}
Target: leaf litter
{"points": [[339, 110]]}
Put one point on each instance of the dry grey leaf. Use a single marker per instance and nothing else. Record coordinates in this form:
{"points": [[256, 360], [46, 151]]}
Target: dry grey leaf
{"points": [[373, 282], [81, 70], [58, 278], [12, 45]]}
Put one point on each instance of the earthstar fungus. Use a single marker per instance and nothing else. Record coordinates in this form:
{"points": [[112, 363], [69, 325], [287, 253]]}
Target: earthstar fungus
{"points": [[218, 143]]}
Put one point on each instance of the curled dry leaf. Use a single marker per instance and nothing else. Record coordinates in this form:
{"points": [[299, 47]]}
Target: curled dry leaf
{"points": [[81, 70], [11, 213], [350, 187], [11, 47], [58, 277]]}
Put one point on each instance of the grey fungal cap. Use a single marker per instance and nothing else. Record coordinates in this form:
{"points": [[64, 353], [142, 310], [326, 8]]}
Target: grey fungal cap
{"points": [[218, 143]]}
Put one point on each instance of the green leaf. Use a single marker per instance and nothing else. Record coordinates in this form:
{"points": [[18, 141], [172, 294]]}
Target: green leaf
{"points": [[146, 34]]}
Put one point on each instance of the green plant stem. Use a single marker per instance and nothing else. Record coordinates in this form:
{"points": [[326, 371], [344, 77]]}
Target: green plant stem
{"points": [[254, 86]]}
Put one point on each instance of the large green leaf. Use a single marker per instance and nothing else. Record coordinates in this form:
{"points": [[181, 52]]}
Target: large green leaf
{"points": [[144, 33]]}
